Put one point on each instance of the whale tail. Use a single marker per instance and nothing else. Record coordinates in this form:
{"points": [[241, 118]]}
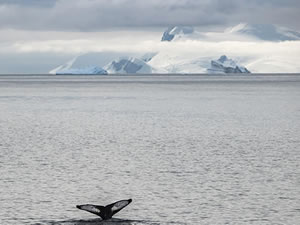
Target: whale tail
{"points": [[105, 212], [118, 206]]}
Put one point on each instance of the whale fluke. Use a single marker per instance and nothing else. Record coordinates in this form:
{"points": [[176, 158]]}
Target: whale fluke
{"points": [[105, 212]]}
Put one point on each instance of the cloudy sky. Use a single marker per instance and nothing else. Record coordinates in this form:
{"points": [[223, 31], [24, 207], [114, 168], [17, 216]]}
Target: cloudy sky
{"points": [[97, 15], [54, 30]]}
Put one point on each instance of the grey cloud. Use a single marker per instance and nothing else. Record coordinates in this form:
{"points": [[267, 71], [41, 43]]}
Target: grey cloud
{"points": [[29, 3], [96, 15]]}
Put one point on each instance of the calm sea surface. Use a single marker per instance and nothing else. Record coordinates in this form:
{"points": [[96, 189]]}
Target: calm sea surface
{"points": [[186, 149]]}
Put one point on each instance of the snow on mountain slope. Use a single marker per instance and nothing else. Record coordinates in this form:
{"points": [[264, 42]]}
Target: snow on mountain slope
{"points": [[226, 65], [128, 65], [93, 70], [266, 32], [180, 62], [192, 63]]}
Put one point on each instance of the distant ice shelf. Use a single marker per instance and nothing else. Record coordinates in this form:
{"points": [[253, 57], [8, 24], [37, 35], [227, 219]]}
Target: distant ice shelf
{"points": [[93, 70]]}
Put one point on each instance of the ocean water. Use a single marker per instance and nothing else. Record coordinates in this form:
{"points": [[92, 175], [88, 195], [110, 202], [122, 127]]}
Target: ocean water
{"points": [[186, 149]]}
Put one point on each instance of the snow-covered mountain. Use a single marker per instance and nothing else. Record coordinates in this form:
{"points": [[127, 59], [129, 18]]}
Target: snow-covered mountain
{"points": [[186, 50], [266, 32], [175, 32], [128, 65], [226, 65]]}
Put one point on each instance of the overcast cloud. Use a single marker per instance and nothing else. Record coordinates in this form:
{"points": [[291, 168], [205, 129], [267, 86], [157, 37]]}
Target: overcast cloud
{"points": [[98, 15]]}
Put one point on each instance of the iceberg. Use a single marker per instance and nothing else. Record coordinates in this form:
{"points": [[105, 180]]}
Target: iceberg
{"points": [[226, 65]]}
